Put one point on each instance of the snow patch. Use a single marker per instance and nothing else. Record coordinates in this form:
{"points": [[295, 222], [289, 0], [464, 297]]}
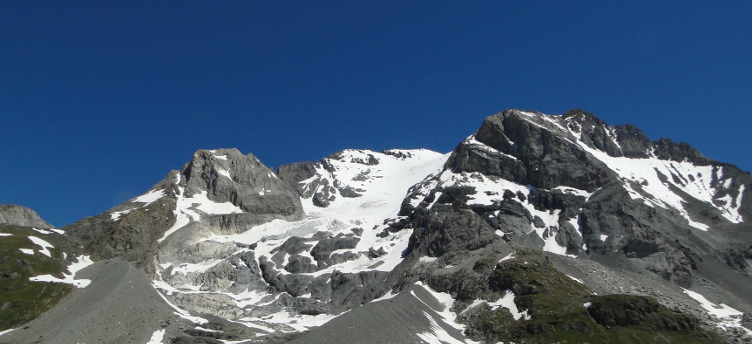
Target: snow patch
{"points": [[299, 322], [213, 208], [424, 259], [576, 279], [69, 278], [156, 337], [5, 234], [387, 296], [41, 231], [475, 143], [507, 301], [225, 173], [727, 317], [181, 313], [249, 298], [508, 257], [149, 197], [43, 244], [437, 333], [449, 317], [490, 190], [642, 179], [6, 331], [186, 206], [115, 215], [186, 268], [28, 251]]}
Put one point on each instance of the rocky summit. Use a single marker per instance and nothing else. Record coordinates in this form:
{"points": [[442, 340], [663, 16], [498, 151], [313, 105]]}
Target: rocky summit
{"points": [[17, 215], [534, 229]]}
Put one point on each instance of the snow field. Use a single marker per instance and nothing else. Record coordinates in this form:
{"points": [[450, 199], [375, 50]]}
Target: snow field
{"points": [[694, 180], [382, 188]]}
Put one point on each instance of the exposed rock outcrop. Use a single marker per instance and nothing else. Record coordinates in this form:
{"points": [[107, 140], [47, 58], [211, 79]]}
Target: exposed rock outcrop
{"points": [[219, 190], [17, 215]]}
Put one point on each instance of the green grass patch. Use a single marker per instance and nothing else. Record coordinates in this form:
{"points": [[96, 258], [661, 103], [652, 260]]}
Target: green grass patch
{"points": [[556, 304], [22, 300]]}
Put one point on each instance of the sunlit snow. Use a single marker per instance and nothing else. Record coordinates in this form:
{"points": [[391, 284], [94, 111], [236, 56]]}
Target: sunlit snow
{"points": [[185, 209], [507, 301], [448, 317], [507, 257], [156, 337], [490, 189], [147, 198], [225, 173], [647, 174], [437, 335], [727, 316], [43, 244], [70, 277], [41, 231]]}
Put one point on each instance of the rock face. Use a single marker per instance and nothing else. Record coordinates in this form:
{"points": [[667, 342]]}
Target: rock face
{"points": [[602, 189], [218, 190], [21, 216]]}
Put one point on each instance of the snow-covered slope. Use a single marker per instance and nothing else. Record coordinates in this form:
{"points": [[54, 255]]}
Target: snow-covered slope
{"points": [[266, 274]]}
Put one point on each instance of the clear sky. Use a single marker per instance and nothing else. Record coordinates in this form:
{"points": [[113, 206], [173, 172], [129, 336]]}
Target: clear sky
{"points": [[99, 100]]}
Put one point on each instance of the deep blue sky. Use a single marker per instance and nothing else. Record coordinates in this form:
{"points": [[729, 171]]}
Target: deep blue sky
{"points": [[99, 100]]}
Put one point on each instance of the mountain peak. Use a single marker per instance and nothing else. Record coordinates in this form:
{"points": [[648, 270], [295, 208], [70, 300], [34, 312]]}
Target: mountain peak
{"points": [[17, 215]]}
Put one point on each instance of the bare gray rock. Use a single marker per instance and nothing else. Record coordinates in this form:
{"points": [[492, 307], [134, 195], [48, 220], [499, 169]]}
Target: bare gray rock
{"points": [[17, 215]]}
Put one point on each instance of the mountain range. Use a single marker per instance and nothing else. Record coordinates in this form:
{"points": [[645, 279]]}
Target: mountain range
{"points": [[534, 229]]}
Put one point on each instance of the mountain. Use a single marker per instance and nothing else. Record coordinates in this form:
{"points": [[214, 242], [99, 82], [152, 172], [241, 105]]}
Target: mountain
{"points": [[29, 252], [535, 228], [16, 215]]}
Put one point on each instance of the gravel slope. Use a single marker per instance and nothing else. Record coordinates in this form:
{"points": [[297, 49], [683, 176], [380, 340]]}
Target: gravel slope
{"points": [[396, 320], [119, 306]]}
